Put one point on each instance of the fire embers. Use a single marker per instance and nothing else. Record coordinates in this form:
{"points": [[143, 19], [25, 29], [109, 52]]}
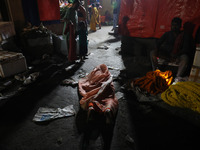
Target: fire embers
{"points": [[98, 93], [154, 82]]}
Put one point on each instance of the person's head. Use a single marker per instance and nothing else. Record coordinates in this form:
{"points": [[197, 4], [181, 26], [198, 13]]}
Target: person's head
{"points": [[93, 5], [76, 4], [176, 24]]}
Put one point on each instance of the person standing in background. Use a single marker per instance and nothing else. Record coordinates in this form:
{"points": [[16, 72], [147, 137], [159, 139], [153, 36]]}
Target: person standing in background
{"points": [[99, 7], [82, 14], [116, 10], [93, 20], [83, 45], [71, 19]]}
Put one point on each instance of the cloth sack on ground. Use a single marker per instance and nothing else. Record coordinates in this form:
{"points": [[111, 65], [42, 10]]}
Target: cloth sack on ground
{"points": [[97, 91]]}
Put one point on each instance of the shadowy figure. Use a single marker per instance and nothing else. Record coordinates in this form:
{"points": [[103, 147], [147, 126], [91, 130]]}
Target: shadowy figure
{"points": [[123, 29], [83, 45], [174, 46], [188, 28], [108, 17]]}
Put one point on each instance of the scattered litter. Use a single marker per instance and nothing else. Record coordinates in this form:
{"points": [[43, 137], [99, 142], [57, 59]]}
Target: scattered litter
{"points": [[27, 81], [78, 61], [82, 75], [115, 77], [70, 82], [129, 139], [20, 77], [45, 56], [113, 68], [32, 77], [46, 114], [119, 95], [81, 71], [69, 67], [118, 48], [103, 47], [21, 89], [108, 43], [88, 54], [180, 79], [7, 83], [30, 67]]}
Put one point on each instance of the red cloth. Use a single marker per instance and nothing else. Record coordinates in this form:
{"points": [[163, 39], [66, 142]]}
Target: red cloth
{"points": [[72, 42], [48, 10], [98, 91]]}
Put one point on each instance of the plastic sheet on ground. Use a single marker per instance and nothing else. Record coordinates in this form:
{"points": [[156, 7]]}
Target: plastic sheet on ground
{"points": [[46, 114]]}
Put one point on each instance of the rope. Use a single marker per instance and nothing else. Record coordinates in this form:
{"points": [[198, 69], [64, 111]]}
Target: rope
{"points": [[183, 94], [154, 82]]}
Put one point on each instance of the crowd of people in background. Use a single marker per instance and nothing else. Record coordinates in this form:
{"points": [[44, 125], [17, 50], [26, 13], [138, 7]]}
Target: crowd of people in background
{"points": [[75, 29], [84, 18], [77, 19], [94, 15]]}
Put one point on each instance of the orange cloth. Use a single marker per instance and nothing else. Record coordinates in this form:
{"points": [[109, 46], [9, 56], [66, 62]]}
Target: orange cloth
{"points": [[154, 82], [98, 91]]}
